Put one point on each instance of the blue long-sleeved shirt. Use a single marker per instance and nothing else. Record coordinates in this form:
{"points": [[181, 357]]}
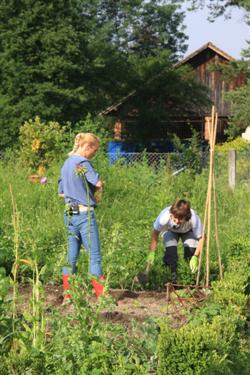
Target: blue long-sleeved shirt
{"points": [[73, 186]]}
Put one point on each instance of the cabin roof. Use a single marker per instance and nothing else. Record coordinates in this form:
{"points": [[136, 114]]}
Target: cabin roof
{"points": [[187, 59], [208, 45], [115, 106]]}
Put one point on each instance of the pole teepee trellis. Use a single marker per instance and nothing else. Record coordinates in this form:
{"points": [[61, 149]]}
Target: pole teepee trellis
{"points": [[197, 293], [210, 198]]}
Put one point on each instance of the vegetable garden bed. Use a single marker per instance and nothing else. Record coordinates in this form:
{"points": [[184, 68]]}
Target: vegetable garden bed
{"points": [[130, 305]]}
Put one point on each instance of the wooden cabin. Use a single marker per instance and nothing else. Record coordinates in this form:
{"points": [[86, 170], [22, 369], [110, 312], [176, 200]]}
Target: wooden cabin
{"points": [[200, 61]]}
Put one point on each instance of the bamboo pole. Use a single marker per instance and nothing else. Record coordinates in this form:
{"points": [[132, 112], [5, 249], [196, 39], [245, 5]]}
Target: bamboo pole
{"points": [[215, 209], [202, 243], [211, 141], [215, 130], [204, 239], [211, 196], [216, 231]]}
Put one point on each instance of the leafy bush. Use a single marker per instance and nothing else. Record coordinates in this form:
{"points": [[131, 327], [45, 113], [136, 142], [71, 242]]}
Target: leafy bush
{"points": [[216, 345], [238, 144], [189, 154], [41, 143], [195, 350]]}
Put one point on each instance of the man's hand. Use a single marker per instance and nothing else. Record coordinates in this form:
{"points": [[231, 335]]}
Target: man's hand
{"points": [[151, 258], [193, 264]]}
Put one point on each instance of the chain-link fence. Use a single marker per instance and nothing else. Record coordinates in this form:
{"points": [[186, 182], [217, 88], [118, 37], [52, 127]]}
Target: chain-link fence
{"points": [[236, 169], [174, 160], [151, 158], [177, 162]]}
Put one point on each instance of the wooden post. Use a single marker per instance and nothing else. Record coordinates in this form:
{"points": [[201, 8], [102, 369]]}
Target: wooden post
{"points": [[232, 169], [207, 126], [118, 130]]}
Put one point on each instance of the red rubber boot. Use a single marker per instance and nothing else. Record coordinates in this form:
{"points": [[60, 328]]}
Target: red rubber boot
{"points": [[98, 287], [66, 287]]}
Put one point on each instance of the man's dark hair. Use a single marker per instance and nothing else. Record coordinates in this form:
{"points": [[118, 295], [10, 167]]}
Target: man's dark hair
{"points": [[181, 209]]}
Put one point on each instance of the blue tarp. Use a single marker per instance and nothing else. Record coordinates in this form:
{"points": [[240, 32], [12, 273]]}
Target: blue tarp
{"points": [[119, 149]]}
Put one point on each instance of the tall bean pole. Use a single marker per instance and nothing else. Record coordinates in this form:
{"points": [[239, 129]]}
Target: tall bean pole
{"points": [[208, 206]]}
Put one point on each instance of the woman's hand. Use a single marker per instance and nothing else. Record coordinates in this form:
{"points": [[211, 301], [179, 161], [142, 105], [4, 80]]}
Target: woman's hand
{"points": [[99, 185]]}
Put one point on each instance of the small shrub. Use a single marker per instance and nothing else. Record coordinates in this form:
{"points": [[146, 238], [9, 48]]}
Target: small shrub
{"points": [[41, 143], [195, 350], [238, 144], [189, 155], [213, 343]]}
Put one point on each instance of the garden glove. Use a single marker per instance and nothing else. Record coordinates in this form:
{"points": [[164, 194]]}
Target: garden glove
{"points": [[193, 264], [151, 258]]}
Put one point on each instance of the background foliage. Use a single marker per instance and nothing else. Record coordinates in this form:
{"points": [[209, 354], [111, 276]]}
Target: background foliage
{"points": [[60, 60]]}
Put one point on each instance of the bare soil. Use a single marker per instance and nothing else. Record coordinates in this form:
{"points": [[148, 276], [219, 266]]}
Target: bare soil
{"points": [[130, 305]]}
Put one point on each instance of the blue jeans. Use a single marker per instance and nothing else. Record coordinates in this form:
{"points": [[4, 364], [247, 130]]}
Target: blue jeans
{"points": [[78, 234]]}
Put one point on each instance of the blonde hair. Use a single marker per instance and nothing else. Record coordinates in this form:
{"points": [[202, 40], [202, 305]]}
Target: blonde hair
{"points": [[84, 138]]}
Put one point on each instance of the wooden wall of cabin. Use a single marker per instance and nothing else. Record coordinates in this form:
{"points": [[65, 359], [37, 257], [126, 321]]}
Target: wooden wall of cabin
{"points": [[217, 87], [127, 131]]}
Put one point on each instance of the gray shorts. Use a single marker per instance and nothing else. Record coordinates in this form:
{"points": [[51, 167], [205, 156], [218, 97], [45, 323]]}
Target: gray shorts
{"points": [[172, 238]]}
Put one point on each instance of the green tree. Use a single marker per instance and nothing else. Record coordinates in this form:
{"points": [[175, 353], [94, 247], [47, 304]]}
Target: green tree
{"points": [[219, 7], [62, 59], [47, 62], [142, 27]]}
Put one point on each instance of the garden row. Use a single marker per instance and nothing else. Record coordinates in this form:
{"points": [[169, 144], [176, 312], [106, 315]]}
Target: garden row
{"points": [[216, 340]]}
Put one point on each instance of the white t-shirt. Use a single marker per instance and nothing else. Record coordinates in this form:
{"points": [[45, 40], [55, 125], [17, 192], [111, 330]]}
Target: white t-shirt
{"points": [[164, 223]]}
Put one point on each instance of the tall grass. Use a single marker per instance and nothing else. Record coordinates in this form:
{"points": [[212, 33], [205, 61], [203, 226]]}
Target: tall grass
{"points": [[133, 197], [31, 224]]}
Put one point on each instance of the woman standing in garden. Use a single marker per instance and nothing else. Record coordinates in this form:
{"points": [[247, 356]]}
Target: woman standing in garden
{"points": [[77, 185]]}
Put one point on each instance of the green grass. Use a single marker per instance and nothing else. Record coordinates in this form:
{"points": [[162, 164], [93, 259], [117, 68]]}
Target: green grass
{"points": [[132, 199]]}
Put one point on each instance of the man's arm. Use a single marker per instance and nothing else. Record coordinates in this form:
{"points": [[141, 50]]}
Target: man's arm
{"points": [[154, 240], [199, 245], [153, 246], [198, 231]]}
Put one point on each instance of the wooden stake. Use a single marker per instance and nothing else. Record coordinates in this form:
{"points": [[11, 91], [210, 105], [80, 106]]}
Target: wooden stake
{"points": [[216, 230], [211, 141], [215, 209], [202, 243]]}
